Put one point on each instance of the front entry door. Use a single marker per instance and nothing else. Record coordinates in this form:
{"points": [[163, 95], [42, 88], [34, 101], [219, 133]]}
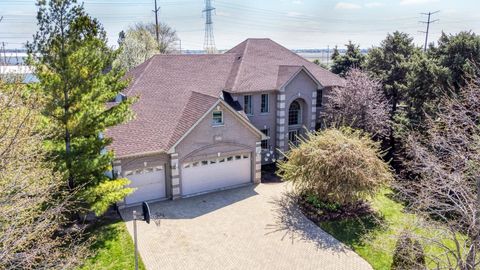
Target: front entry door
{"points": [[293, 137]]}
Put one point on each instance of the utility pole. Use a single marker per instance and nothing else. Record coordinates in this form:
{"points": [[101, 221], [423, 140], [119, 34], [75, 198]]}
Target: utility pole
{"points": [[209, 42], [428, 22], [328, 55], [157, 9]]}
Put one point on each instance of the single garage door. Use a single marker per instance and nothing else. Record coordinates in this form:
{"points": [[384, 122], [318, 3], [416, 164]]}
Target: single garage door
{"points": [[216, 173], [149, 184]]}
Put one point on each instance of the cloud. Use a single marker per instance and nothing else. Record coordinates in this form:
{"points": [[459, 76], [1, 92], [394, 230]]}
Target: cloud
{"points": [[297, 2], [222, 13], [416, 2], [344, 5], [374, 4], [293, 14]]}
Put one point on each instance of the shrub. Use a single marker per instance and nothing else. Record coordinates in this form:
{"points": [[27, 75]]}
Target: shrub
{"points": [[337, 165], [408, 254]]}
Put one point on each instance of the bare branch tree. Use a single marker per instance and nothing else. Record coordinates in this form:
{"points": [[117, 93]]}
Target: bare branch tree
{"points": [[360, 104], [33, 224], [445, 190]]}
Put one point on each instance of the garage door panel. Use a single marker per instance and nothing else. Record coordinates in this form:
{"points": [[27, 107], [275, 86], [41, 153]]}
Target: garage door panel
{"points": [[149, 184], [217, 173]]}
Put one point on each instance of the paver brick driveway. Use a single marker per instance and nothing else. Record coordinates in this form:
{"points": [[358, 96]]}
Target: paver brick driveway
{"points": [[254, 227]]}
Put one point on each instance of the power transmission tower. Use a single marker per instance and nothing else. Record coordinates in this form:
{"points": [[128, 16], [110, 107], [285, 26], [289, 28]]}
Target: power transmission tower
{"points": [[209, 42], [157, 9], [428, 22]]}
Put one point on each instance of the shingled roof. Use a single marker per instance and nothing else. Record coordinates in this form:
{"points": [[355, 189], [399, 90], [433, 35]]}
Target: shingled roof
{"points": [[259, 65], [175, 91]]}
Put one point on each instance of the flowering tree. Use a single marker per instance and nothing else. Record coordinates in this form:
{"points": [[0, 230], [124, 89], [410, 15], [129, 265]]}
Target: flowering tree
{"points": [[360, 104]]}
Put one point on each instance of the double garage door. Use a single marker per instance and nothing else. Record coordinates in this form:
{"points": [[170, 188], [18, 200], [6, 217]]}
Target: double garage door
{"points": [[215, 173], [196, 177], [149, 184]]}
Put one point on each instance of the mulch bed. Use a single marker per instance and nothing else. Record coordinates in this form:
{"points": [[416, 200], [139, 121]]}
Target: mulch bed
{"points": [[349, 211]]}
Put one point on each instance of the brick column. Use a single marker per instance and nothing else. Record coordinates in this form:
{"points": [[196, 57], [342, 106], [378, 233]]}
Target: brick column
{"points": [[314, 110], [258, 163], [281, 123], [175, 168]]}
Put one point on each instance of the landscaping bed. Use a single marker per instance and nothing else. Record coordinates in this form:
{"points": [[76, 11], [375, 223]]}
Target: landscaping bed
{"points": [[319, 211]]}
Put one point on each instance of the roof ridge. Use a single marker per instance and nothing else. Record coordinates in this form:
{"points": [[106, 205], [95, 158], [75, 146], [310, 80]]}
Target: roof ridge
{"points": [[141, 75], [184, 109], [247, 42], [298, 56]]}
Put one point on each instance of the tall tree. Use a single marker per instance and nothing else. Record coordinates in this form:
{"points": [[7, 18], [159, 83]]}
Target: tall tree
{"points": [[139, 43], [389, 64], [335, 53], [446, 191], [74, 66], [424, 89], [360, 104], [459, 53], [136, 47], [353, 58]]}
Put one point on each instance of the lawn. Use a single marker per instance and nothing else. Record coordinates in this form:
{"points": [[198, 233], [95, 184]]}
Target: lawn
{"points": [[373, 240], [113, 248]]}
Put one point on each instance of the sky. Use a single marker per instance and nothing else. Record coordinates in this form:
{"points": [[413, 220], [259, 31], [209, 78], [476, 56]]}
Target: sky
{"points": [[296, 24]]}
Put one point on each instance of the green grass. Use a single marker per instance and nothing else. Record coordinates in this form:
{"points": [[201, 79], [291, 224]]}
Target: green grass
{"points": [[374, 238], [113, 248]]}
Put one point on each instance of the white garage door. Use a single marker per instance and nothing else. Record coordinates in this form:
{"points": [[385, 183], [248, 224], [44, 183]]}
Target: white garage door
{"points": [[149, 184], [215, 173]]}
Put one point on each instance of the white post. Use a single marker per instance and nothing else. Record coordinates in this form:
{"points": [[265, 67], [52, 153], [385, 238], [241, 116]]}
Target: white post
{"points": [[135, 238]]}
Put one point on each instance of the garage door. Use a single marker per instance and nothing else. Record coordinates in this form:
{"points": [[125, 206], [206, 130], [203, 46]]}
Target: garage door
{"points": [[149, 184], [216, 173]]}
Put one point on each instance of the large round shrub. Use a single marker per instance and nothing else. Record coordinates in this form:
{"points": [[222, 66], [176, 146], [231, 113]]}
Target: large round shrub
{"points": [[336, 165]]}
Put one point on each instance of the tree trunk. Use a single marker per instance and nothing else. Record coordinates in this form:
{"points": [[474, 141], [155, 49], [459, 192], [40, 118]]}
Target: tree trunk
{"points": [[475, 235]]}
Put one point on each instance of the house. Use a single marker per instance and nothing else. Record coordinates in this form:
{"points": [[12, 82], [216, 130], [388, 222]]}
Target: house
{"points": [[208, 122]]}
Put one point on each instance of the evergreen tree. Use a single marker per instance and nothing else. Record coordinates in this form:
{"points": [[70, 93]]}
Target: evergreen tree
{"points": [[74, 66], [461, 55], [353, 58], [390, 63], [335, 53], [423, 89]]}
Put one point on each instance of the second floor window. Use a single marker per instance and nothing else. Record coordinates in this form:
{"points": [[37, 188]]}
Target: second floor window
{"points": [[264, 105], [294, 114], [247, 104], [217, 118]]}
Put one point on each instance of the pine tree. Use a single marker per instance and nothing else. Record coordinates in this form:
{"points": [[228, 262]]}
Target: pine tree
{"points": [[353, 58], [389, 63], [424, 88], [460, 54], [74, 66]]}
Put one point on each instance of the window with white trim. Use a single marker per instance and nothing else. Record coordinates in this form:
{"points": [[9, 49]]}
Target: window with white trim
{"points": [[217, 118], [294, 114], [265, 143], [264, 104], [247, 104]]}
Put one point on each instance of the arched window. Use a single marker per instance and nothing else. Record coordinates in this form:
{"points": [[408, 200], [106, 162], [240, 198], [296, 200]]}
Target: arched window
{"points": [[294, 114]]}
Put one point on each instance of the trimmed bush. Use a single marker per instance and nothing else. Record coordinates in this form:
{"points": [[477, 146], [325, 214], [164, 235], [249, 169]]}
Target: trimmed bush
{"points": [[340, 166]]}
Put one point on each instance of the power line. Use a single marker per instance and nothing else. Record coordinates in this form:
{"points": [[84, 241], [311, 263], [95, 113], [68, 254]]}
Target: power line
{"points": [[428, 22], [209, 42]]}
